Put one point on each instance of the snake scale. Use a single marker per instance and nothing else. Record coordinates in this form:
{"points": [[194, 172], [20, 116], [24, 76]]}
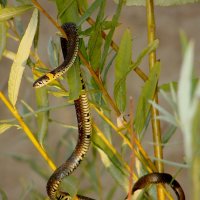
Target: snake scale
{"points": [[70, 48]]}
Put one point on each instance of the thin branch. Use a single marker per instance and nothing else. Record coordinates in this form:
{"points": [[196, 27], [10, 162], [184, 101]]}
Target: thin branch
{"points": [[115, 47], [158, 152], [89, 67], [27, 131]]}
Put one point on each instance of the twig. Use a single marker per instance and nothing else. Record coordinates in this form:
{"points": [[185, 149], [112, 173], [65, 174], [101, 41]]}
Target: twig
{"points": [[151, 28], [28, 132], [96, 78], [116, 48]]}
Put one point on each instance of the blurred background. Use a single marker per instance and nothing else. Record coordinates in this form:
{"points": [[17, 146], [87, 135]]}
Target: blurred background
{"points": [[169, 21]]}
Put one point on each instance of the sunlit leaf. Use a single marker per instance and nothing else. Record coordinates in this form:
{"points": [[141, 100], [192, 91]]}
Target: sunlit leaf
{"points": [[147, 93], [5, 127], [123, 61], [94, 47], [111, 159], [22, 55], [67, 11], [3, 31], [151, 47], [9, 12]]}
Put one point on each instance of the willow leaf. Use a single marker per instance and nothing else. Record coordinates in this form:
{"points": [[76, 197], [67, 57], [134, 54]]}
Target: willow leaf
{"points": [[111, 159], [151, 47], [94, 47], [67, 11], [3, 194], [3, 31], [43, 117], [143, 105], [89, 11], [9, 12], [5, 127], [123, 60], [74, 81], [20, 60]]}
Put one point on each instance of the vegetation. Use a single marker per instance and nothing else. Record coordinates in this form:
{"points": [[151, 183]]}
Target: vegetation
{"points": [[116, 150]]}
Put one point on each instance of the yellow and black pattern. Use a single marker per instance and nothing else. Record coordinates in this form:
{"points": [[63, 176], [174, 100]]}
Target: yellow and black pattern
{"points": [[155, 178], [70, 51]]}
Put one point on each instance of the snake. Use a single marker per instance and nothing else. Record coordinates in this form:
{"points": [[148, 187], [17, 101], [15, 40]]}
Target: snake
{"points": [[70, 47], [155, 178]]}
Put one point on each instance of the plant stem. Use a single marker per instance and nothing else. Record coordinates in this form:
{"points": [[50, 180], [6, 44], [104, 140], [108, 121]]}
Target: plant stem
{"points": [[89, 67], [154, 112], [28, 132], [115, 47]]}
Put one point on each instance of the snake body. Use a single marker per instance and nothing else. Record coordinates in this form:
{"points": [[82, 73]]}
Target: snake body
{"points": [[155, 178], [70, 51]]}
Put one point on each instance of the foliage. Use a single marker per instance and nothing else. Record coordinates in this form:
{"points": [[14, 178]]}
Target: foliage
{"points": [[99, 56]]}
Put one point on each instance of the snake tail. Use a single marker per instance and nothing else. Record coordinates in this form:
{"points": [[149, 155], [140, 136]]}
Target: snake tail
{"points": [[155, 178]]}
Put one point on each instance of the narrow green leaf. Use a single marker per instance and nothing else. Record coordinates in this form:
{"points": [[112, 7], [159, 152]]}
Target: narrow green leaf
{"points": [[166, 86], [111, 159], [147, 93], [169, 133], [9, 12], [121, 179], [5, 127], [43, 117], [67, 11], [158, 2], [108, 40], [89, 11], [53, 52], [151, 47], [36, 37], [3, 194], [3, 31], [94, 47], [123, 60], [196, 152], [74, 81], [19, 63]]}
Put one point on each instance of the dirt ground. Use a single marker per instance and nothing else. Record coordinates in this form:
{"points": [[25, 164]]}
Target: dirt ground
{"points": [[169, 21]]}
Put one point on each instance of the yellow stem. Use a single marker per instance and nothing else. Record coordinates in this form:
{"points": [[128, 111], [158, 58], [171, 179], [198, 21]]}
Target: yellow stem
{"points": [[27, 131], [158, 152]]}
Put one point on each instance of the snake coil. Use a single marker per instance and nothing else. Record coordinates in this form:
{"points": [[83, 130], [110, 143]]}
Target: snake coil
{"points": [[70, 51]]}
